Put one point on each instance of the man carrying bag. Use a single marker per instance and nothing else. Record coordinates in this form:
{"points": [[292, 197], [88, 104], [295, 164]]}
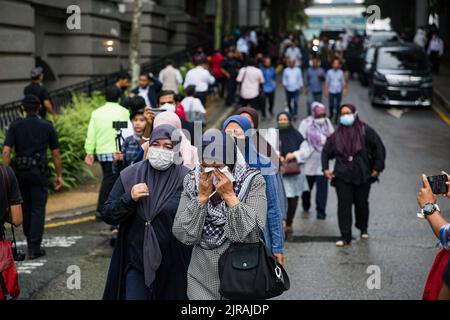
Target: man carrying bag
{"points": [[11, 212]]}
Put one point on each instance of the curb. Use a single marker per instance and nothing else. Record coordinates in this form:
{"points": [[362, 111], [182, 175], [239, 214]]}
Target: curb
{"points": [[441, 99]]}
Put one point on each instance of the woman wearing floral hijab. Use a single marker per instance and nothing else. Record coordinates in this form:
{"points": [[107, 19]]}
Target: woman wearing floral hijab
{"points": [[215, 211], [360, 155], [315, 129]]}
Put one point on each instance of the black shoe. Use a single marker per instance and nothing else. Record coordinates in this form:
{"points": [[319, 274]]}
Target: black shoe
{"points": [[321, 217], [35, 254]]}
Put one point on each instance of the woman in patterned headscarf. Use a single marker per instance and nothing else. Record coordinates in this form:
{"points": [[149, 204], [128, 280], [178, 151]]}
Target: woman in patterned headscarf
{"points": [[223, 202]]}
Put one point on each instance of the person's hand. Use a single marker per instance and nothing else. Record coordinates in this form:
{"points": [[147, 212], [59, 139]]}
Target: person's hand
{"points": [[290, 157], [280, 258], [447, 183], [375, 174], [425, 194], [149, 116], [344, 93], [325, 93], [118, 156], [205, 187], [328, 174], [139, 191], [89, 160], [58, 183], [224, 188]]}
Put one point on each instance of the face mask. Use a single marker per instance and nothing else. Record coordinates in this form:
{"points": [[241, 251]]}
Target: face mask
{"points": [[225, 171], [168, 107], [283, 126], [160, 159], [320, 121], [347, 120]]}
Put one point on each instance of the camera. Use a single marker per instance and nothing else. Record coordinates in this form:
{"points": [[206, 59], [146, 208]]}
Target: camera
{"points": [[18, 255], [119, 125]]}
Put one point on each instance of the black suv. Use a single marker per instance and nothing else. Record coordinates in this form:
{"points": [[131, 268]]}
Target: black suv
{"points": [[401, 76]]}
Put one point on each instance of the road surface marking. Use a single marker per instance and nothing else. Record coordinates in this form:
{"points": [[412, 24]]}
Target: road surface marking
{"points": [[56, 242], [27, 267], [442, 115], [397, 113], [69, 222]]}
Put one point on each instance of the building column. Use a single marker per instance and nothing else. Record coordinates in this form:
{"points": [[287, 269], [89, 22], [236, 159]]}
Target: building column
{"points": [[422, 12], [243, 12], [254, 12]]}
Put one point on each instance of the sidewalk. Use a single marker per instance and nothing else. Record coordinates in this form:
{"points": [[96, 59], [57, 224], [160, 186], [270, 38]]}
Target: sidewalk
{"points": [[82, 200]]}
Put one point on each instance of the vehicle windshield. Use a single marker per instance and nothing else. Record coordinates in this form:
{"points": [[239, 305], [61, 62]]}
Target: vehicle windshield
{"points": [[401, 59]]}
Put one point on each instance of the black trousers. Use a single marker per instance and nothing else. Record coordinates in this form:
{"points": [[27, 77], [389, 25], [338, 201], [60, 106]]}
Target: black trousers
{"points": [[108, 180], [34, 194], [348, 195], [435, 61], [257, 103], [231, 86], [202, 96], [269, 96], [321, 195]]}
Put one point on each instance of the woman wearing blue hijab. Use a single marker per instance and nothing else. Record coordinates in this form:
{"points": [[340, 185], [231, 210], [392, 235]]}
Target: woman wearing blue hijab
{"points": [[239, 127]]}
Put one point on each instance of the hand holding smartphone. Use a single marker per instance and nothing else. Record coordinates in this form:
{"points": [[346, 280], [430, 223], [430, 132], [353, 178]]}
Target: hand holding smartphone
{"points": [[439, 184]]}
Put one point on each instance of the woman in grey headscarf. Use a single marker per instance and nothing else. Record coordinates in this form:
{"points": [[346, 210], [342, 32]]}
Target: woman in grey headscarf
{"points": [[148, 262], [223, 202]]}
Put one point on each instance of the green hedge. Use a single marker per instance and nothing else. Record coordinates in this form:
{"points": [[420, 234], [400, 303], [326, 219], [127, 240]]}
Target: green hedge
{"points": [[71, 128]]}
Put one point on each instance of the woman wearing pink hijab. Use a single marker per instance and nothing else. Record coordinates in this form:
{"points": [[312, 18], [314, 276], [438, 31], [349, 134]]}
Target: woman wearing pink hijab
{"points": [[188, 152]]}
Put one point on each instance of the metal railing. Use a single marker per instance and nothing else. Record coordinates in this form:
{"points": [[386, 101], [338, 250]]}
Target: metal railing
{"points": [[62, 97]]}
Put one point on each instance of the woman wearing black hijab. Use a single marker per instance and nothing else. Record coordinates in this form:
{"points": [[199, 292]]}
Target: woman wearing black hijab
{"points": [[360, 155], [290, 141], [148, 263]]}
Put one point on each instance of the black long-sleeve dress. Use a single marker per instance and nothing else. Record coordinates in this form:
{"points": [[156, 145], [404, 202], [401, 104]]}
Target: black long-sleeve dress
{"points": [[171, 277]]}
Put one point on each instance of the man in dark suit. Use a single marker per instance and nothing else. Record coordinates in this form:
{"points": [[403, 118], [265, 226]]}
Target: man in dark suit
{"points": [[149, 88]]}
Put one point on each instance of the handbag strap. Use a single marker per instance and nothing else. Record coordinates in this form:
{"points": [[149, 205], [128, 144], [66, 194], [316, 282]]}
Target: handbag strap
{"points": [[6, 196], [5, 291], [7, 186]]}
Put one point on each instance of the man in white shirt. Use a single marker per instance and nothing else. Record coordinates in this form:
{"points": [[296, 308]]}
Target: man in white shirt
{"points": [[292, 83], [243, 47], [201, 78], [170, 77], [293, 53], [251, 79], [435, 51]]}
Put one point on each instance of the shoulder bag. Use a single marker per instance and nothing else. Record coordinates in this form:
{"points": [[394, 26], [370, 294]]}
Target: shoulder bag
{"points": [[9, 281], [249, 271]]}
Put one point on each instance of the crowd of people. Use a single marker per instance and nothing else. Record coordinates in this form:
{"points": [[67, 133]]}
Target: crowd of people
{"points": [[177, 196]]}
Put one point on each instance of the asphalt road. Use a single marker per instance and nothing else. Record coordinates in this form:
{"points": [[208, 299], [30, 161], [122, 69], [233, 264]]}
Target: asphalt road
{"points": [[401, 246]]}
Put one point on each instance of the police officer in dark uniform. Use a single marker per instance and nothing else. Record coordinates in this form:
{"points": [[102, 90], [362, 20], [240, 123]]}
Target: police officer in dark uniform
{"points": [[37, 88], [30, 137]]}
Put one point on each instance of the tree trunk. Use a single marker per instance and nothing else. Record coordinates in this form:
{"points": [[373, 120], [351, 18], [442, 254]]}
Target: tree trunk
{"points": [[218, 25], [135, 43]]}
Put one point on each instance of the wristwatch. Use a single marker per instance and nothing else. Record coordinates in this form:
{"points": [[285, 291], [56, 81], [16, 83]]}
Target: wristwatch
{"points": [[428, 210]]}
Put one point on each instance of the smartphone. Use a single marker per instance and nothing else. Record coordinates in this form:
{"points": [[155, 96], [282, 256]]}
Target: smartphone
{"points": [[438, 185]]}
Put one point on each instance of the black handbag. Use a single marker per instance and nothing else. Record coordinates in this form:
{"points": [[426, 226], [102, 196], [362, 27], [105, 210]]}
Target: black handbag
{"points": [[249, 271]]}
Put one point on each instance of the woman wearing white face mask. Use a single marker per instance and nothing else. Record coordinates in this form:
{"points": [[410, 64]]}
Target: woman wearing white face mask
{"points": [[315, 129], [214, 214], [148, 262], [360, 155]]}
